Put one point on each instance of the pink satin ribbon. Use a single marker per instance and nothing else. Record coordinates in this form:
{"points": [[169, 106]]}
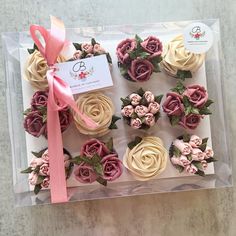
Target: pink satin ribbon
{"points": [[60, 96]]}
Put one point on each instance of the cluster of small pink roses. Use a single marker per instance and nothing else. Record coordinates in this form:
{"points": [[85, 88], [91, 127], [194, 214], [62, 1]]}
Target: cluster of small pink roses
{"points": [[35, 122], [138, 59], [85, 50], [186, 106], [191, 154], [141, 109], [38, 171], [97, 162]]}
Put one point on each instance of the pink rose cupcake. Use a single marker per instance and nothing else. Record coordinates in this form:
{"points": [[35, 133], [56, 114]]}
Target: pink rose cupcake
{"points": [[187, 106], [85, 50], [190, 153], [141, 109], [39, 169], [35, 122], [98, 161], [138, 59]]}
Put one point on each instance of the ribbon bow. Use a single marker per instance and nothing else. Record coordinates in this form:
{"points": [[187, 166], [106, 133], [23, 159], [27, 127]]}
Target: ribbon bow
{"points": [[60, 96]]}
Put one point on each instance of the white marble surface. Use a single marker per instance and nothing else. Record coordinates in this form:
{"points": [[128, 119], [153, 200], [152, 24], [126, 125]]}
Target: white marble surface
{"points": [[205, 212]]}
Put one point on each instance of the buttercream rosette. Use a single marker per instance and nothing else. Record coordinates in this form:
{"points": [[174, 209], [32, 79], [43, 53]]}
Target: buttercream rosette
{"points": [[98, 161], [100, 109], [145, 158], [186, 106], [36, 68], [85, 50], [180, 62], [141, 109], [191, 154], [35, 121], [138, 59], [38, 170]]}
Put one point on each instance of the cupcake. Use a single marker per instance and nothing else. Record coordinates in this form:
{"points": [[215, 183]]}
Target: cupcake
{"points": [[38, 170], [100, 109], [141, 109], [36, 68], [190, 153], [138, 59], [85, 50], [98, 161], [178, 61], [145, 158], [187, 106], [35, 121]]}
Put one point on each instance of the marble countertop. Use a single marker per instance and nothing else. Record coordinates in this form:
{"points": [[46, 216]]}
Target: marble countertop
{"points": [[205, 212]]}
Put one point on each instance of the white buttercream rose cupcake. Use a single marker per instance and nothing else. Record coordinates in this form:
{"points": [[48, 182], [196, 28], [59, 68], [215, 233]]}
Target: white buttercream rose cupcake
{"points": [[100, 109], [177, 60], [36, 68], [146, 158]]}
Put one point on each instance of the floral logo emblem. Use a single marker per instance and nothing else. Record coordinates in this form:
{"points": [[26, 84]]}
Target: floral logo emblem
{"points": [[196, 33], [79, 71]]}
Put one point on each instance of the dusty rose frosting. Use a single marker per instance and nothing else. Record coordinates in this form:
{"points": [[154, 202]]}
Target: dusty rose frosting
{"points": [[36, 69], [99, 108], [176, 57], [147, 159]]}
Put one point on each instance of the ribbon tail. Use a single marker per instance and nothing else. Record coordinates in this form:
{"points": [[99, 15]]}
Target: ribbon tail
{"points": [[63, 91], [56, 161], [88, 121]]}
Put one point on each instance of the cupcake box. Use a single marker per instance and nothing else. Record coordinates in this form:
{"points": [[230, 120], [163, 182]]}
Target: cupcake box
{"points": [[20, 92]]}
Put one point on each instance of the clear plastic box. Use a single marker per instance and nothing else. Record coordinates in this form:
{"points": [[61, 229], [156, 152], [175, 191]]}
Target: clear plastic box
{"points": [[13, 42]]}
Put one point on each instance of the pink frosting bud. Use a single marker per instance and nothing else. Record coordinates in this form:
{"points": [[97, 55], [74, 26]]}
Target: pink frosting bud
{"points": [[154, 107], [36, 162], [45, 183], [141, 110], [98, 49], [209, 152], [136, 123], [149, 96], [44, 169], [149, 119], [181, 161], [195, 141], [45, 156], [77, 55], [135, 99], [185, 148], [88, 48], [191, 169], [127, 111], [204, 164], [197, 154], [33, 178]]}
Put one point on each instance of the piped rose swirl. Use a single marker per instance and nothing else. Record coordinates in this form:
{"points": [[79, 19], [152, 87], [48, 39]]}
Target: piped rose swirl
{"points": [[36, 68], [177, 60], [145, 158], [99, 108]]}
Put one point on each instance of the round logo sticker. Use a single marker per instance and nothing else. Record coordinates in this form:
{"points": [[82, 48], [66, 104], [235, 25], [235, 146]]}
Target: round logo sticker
{"points": [[198, 37]]}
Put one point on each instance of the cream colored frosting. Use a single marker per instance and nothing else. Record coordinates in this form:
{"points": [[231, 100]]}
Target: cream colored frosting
{"points": [[176, 57], [36, 69], [99, 108], [147, 159]]}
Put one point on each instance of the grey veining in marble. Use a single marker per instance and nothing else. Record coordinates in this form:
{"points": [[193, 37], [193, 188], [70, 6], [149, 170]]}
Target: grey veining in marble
{"points": [[206, 212]]}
